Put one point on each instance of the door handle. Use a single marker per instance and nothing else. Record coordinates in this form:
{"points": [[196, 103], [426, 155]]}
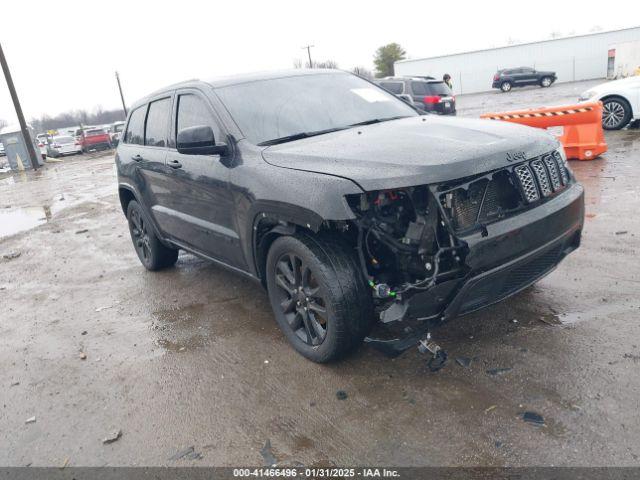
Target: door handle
{"points": [[174, 164], [137, 158]]}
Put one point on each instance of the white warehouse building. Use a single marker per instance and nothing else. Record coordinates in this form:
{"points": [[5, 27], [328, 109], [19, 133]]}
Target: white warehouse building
{"points": [[581, 57]]}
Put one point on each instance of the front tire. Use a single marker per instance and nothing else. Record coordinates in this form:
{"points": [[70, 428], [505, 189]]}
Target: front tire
{"points": [[318, 295], [616, 113], [151, 252], [545, 82], [506, 86]]}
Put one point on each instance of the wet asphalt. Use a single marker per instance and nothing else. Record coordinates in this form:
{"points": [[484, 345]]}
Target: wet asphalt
{"points": [[91, 343]]}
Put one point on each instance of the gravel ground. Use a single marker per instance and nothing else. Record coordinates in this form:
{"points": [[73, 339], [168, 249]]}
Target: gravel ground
{"points": [[91, 343]]}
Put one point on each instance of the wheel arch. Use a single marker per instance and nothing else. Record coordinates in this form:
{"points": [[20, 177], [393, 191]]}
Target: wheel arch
{"points": [[617, 96], [275, 219], [126, 194]]}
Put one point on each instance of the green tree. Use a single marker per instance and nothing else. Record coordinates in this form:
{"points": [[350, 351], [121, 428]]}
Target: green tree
{"points": [[385, 57]]}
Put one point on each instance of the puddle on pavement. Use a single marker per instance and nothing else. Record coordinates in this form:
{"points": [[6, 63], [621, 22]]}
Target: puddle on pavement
{"points": [[13, 221], [604, 310]]}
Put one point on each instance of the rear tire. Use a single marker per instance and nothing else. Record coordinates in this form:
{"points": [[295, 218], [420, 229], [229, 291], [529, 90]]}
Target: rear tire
{"points": [[151, 252], [318, 295], [546, 82], [506, 86], [616, 113]]}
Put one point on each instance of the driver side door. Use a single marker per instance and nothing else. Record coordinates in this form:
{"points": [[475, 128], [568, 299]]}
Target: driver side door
{"points": [[200, 213]]}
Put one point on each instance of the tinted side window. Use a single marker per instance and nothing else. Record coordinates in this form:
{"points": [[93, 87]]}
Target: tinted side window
{"points": [[438, 88], [135, 129], [193, 112], [393, 87], [419, 88], [155, 133]]}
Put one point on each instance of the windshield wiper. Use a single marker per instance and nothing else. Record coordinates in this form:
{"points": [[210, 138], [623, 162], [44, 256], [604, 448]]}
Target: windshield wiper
{"points": [[377, 120], [298, 136]]}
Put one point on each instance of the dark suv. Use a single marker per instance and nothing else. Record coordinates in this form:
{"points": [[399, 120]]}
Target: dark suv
{"points": [[346, 203], [426, 93], [508, 78]]}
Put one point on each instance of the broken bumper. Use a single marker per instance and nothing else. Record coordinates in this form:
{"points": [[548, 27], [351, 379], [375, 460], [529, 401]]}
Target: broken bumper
{"points": [[514, 254]]}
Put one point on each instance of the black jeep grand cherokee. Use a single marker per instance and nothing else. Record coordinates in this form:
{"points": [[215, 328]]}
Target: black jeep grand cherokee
{"points": [[345, 202]]}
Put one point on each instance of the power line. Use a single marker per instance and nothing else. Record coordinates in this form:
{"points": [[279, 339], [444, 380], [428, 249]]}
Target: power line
{"points": [[308, 48]]}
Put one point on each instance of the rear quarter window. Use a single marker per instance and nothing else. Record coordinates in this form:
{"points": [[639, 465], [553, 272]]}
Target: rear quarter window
{"points": [[155, 134], [419, 88], [393, 87], [135, 128]]}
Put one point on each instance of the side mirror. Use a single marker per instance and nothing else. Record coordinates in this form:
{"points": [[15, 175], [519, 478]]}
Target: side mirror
{"points": [[407, 98], [199, 140]]}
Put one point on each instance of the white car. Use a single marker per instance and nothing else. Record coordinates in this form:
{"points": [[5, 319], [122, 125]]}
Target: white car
{"points": [[621, 101], [42, 145], [116, 131], [63, 145]]}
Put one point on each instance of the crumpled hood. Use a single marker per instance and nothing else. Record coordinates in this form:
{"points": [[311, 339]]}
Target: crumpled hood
{"points": [[413, 151]]}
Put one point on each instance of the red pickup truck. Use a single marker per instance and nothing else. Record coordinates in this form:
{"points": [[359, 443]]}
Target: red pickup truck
{"points": [[94, 139]]}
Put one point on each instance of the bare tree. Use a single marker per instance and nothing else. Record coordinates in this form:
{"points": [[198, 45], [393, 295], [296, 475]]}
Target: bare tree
{"points": [[3, 123], [326, 64], [555, 34], [363, 72], [73, 118], [297, 63]]}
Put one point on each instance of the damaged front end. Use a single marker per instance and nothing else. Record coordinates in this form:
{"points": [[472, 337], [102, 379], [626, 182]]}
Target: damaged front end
{"points": [[431, 252]]}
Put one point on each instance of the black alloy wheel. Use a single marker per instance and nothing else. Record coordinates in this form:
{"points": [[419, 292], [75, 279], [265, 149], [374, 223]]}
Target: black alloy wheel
{"points": [[301, 300]]}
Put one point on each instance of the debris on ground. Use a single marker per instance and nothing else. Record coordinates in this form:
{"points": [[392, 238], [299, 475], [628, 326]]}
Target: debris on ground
{"points": [[492, 407], [99, 309], [499, 371], [31, 420], [65, 463], [188, 453], [544, 320], [84, 332], [533, 418], [514, 320], [622, 232], [498, 443], [11, 255], [83, 356], [15, 384], [112, 437], [267, 454], [341, 395], [464, 362]]}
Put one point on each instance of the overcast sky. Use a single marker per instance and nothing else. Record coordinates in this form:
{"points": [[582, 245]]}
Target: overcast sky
{"points": [[63, 54]]}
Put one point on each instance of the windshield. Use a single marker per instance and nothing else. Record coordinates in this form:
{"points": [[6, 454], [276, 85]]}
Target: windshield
{"points": [[94, 133], [118, 128], [63, 140], [271, 109]]}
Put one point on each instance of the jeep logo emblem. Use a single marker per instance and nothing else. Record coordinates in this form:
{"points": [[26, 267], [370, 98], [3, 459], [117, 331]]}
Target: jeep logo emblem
{"points": [[516, 156]]}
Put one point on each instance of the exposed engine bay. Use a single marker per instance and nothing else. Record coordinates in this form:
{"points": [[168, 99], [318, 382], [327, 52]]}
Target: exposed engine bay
{"points": [[404, 242]]}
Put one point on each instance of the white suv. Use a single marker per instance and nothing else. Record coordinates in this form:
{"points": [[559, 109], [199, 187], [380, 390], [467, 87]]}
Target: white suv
{"points": [[621, 100]]}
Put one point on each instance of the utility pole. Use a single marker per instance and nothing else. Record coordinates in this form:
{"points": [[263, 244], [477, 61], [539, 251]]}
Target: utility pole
{"points": [[124, 107], [308, 48], [16, 103]]}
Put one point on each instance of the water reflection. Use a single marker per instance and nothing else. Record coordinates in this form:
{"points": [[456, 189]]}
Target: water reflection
{"points": [[17, 220]]}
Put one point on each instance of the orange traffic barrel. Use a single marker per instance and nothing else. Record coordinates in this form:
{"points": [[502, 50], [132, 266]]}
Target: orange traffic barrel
{"points": [[582, 135]]}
